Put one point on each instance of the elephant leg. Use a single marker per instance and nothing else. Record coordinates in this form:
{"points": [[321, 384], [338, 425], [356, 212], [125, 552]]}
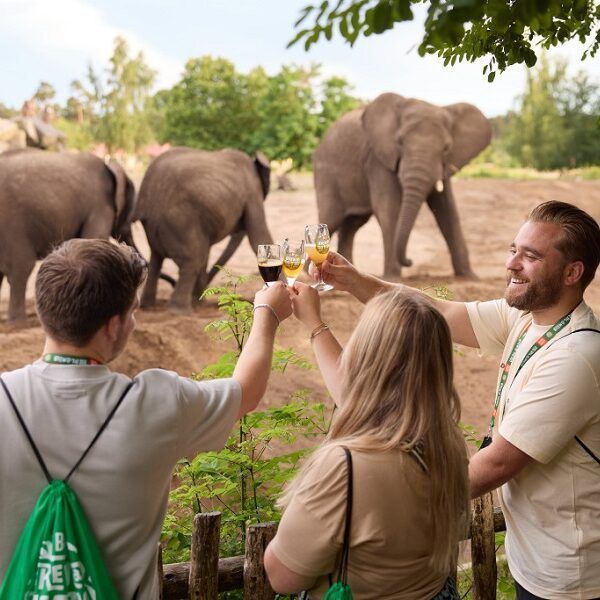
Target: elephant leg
{"points": [[346, 232], [149, 294], [202, 277], [17, 280], [444, 209], [184, 288], [199, 287]]}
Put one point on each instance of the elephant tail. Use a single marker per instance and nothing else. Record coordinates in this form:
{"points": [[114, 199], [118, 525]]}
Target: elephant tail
{"points": [[234, 241], [127, 237]]}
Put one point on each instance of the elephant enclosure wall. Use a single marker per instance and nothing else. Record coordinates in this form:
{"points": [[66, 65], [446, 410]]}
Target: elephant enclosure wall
{"points": [[491, 212]]}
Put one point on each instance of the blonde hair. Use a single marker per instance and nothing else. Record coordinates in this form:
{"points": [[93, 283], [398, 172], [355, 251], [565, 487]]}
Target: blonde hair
{"points": [[398, 392]]}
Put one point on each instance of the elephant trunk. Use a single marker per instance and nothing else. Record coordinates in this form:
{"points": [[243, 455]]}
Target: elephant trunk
{"points": [[415, 189]]}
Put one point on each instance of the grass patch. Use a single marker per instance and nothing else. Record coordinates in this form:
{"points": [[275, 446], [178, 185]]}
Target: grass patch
{"points": [[505, 586], [492, 171]]}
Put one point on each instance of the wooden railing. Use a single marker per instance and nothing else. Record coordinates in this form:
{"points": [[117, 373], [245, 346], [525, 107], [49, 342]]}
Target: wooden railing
{"points": [[206, 574]]}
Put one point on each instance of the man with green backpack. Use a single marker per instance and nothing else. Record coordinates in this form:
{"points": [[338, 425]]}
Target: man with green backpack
{"points": [[86, 454]]}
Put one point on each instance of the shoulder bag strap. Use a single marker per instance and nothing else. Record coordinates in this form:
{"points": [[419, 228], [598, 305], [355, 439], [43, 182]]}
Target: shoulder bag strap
{"points": [[111, 414], [26, 431], [35, 448], [577, 439], [343, 569]]}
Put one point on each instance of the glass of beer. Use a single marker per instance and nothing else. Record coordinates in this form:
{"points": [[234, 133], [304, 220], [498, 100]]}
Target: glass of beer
{"points": [[316, 246], [269, 262], [293, 259]]}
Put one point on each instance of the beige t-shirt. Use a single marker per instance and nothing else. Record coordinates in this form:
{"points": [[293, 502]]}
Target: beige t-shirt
{"points": [[390, 541], [552, 507], [123, 483]]}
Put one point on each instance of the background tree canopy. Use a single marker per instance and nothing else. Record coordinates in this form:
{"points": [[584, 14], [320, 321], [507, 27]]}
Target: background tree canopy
{"points": [[215, 106], [504, 31], [553, 126]]}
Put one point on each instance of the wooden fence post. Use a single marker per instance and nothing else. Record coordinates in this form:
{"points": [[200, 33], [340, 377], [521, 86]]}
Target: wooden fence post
{"points": [[204, 557], [483, 549], [256, 583]]}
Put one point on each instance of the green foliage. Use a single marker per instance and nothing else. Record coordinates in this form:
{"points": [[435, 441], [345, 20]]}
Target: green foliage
{"points": [[113, 108], [79, 136], [504, 32], [45, 91], [556, 126], [336, 101], [215, 106], [244, 480], [505, 586], [287, 123]]}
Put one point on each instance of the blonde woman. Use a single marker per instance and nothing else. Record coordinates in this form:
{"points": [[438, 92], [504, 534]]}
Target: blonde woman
{"points": [[398, 415]]}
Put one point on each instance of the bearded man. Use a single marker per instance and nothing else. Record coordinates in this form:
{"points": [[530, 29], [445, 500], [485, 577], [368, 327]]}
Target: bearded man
{"points": [[543, 443]]}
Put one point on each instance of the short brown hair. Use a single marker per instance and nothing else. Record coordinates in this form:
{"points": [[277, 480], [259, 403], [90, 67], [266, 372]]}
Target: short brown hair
{"points": [[581, 234], [82, 284]]}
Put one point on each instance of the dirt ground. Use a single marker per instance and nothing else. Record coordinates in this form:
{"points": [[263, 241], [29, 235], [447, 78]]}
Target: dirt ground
{"points": [[491, 212]]}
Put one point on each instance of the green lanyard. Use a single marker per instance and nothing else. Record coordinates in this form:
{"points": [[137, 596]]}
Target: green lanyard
{"points": [[67, 359], [540, 343]]}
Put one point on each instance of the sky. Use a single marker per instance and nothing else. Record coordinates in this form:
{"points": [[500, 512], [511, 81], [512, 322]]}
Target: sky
{"points": [[55, 40]]}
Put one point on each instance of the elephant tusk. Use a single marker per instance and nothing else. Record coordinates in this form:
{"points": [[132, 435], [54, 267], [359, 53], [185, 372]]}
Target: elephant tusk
{"points": [[439, 186]]}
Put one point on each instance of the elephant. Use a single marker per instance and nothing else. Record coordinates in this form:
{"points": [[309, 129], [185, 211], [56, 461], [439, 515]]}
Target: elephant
{"points": [[48, 197], [190, 199], [387, 158]]}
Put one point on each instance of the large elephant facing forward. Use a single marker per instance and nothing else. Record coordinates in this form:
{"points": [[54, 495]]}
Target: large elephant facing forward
{"points": [[387, 159], [191, 199], [46, 198]]}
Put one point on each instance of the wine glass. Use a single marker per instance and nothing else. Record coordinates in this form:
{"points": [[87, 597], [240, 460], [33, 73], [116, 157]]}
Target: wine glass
{"points": [[293, 259], [316, 246], [269, 261]]}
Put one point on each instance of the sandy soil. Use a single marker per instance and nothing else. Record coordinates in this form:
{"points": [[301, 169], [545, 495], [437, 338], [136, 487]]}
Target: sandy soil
{"points": [[491, 212]]}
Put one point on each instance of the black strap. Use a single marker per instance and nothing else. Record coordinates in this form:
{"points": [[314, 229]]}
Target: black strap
{"points": [[31, 442], [343, 568], [578, 440], [94, 440]]}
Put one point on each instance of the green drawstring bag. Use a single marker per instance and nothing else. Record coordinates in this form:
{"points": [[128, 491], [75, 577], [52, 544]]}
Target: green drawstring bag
{"points": [[57, 555], [338, 591]]}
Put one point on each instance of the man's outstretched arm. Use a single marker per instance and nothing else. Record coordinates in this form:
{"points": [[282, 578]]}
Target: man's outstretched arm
{"points": [[254, 365], [344, 276]]}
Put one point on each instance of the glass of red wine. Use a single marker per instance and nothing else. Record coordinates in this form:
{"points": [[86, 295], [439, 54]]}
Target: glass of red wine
{"points": [[269, 262]]}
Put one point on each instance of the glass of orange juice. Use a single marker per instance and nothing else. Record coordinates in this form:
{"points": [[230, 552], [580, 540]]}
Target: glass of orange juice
{"points": [[293, 259], [316, 246]]}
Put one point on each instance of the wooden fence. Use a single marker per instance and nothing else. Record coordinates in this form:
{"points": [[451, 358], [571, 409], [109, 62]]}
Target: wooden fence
{"points": [[206, 574]]}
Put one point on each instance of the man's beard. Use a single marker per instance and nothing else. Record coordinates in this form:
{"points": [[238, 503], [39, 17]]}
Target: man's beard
{"points": [[538, 296]]}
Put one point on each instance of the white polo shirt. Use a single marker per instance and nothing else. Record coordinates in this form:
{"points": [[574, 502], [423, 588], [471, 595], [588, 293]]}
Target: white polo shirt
{"points": [[552, 507], [123, 483]]}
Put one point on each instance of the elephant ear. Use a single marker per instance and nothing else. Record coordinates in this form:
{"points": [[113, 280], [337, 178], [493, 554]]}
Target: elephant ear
{"points": [[471, 133], [381, 120], [124, 195], [263, 168]]}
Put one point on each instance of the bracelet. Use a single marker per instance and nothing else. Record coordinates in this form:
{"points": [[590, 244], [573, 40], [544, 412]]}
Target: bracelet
{"points": [[270, 308], [318, 330]]}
